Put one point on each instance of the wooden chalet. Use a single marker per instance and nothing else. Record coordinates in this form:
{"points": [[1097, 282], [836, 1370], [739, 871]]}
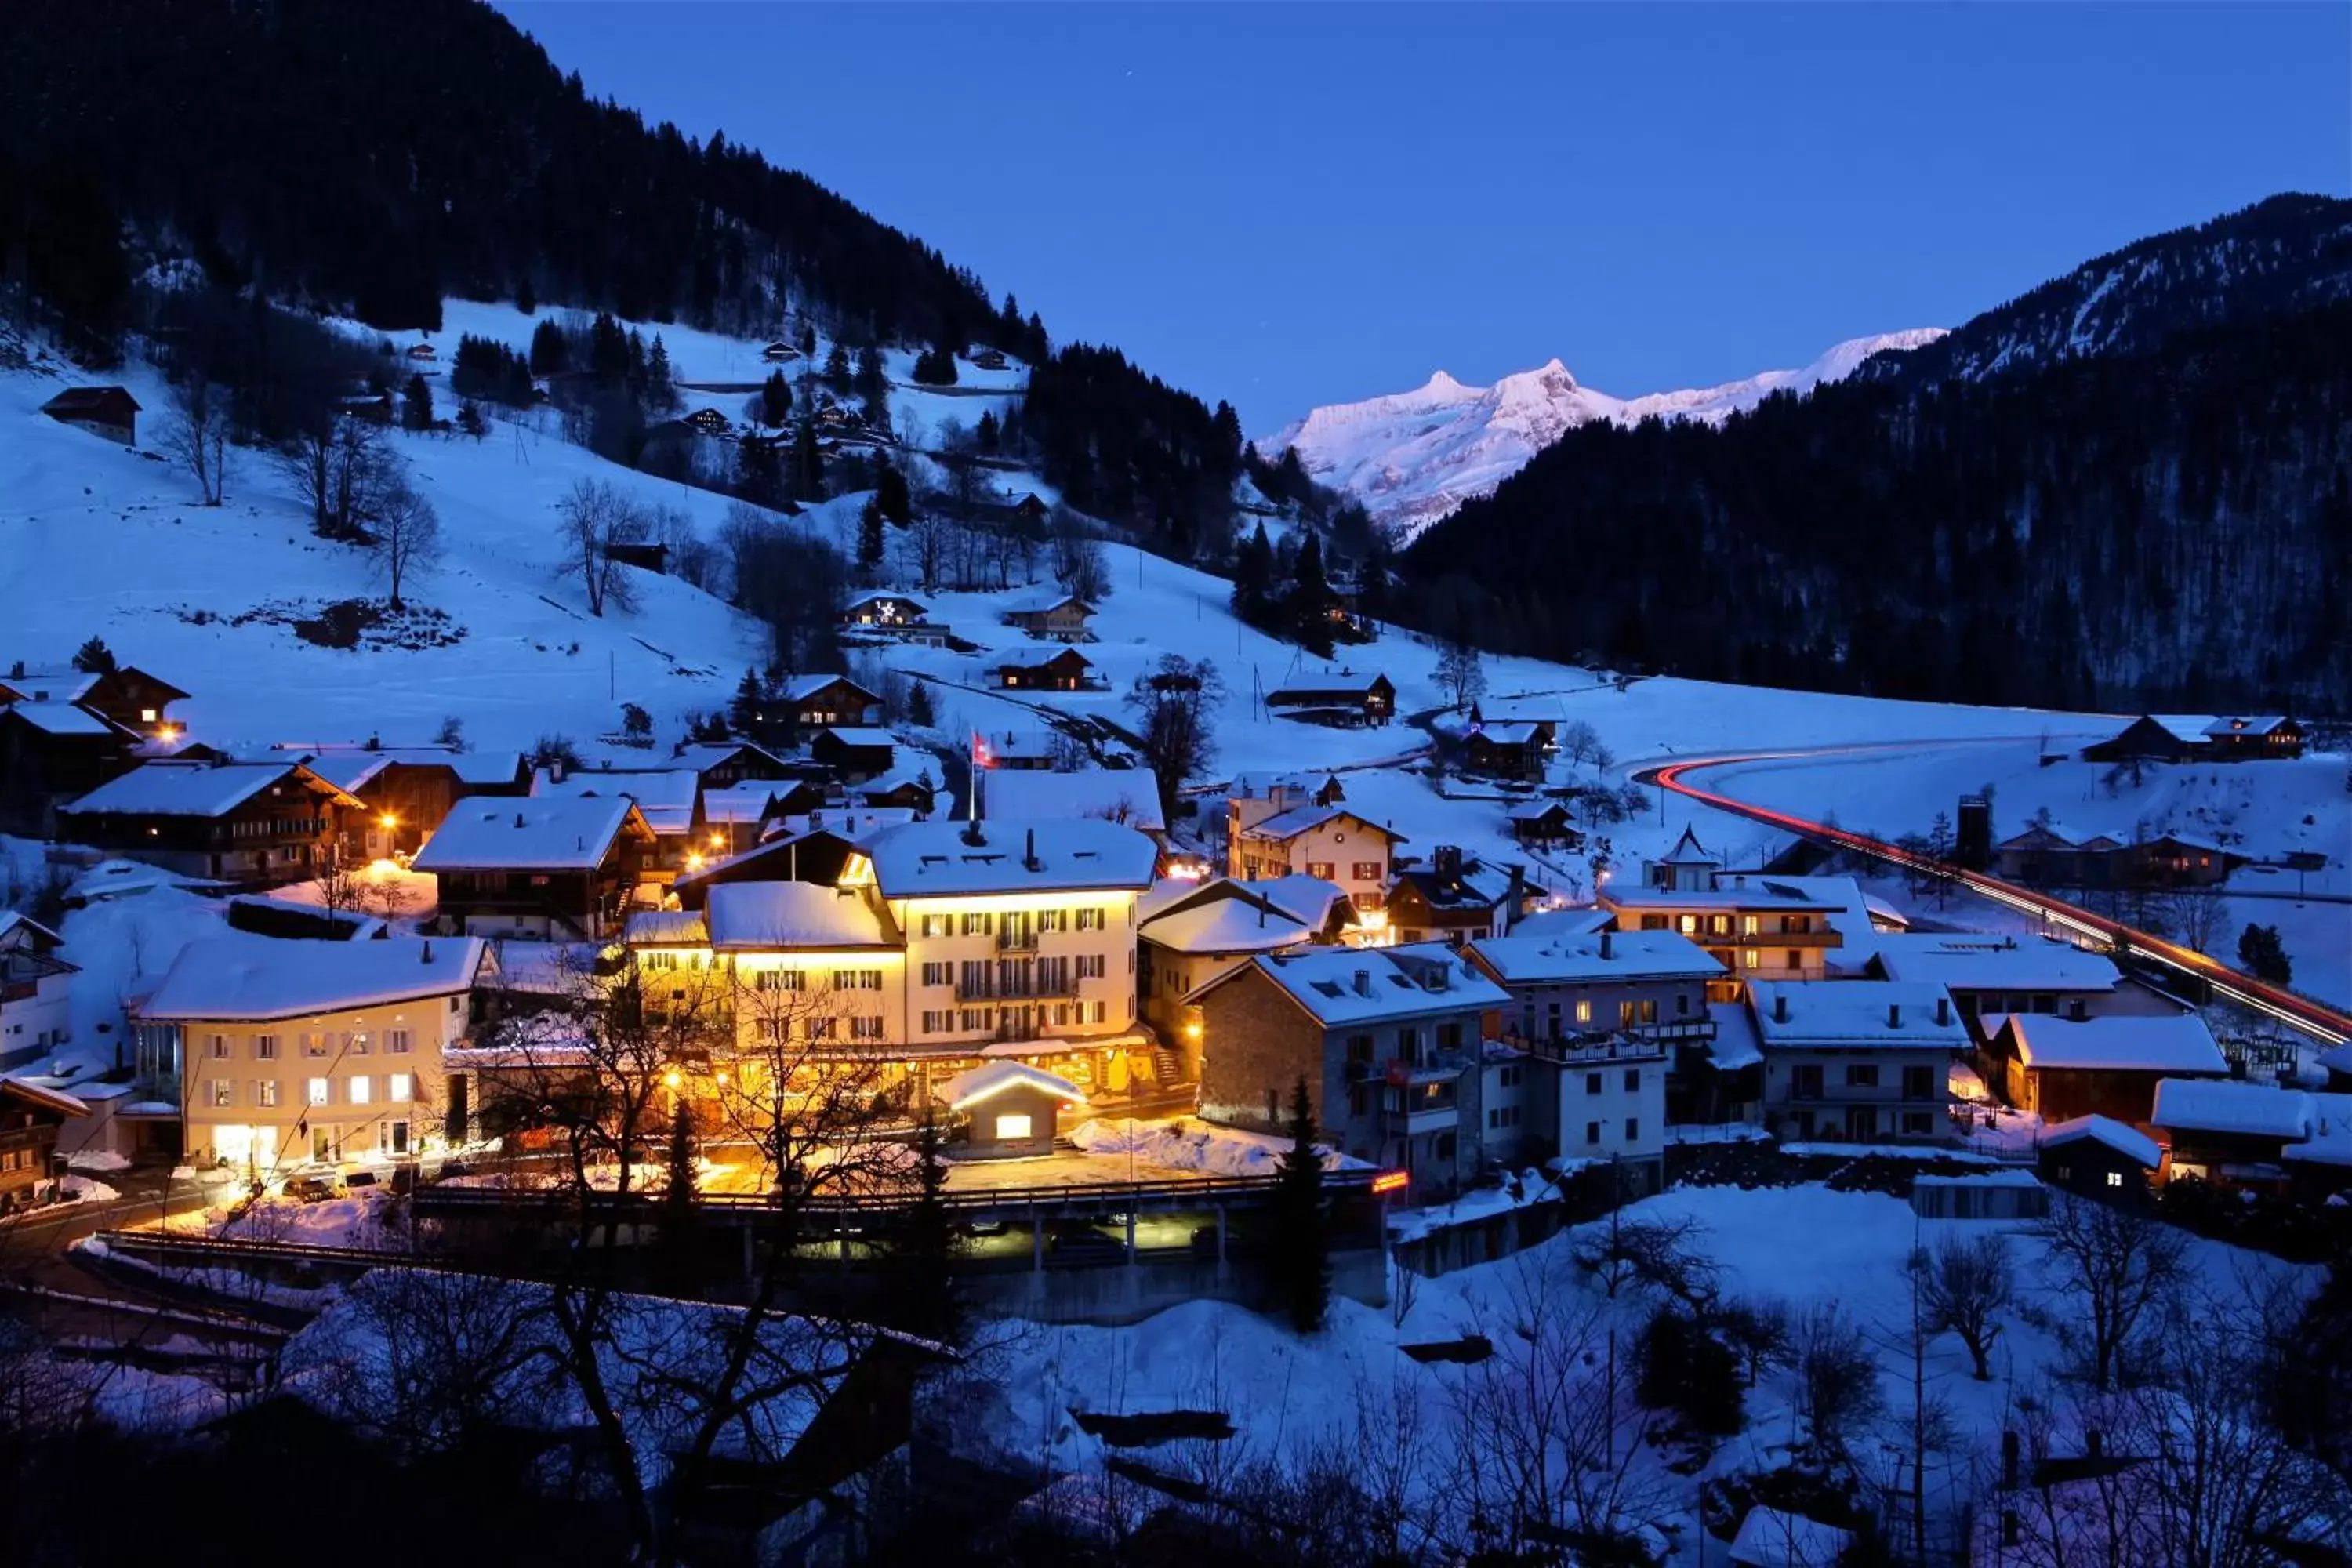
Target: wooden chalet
{"points": [[723, 764], [988, 359], [1454, 899], [1055, 615], [898, 792], [710, 422], [126, 695], [643, 555], [2150, 738], [52, 753], [1068, 670], [30, 1119], [2174, 861], [550, 868], [2095, 1156], [1544, 718], [819, 855], [404, 791], [819, 701], [2050, 855], [255, 823], [780, 353], [108, 411], [1505, 750], [2253, 740], [890, 615], [1343, 701], [855, 753], [1546, 823]]}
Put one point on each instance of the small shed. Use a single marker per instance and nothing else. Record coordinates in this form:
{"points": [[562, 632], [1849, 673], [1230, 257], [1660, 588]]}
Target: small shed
{"points": [[644, 556], [1544, 822], [1989, 1194], [2098, 1157], [108, 411], [1014, 1106]]}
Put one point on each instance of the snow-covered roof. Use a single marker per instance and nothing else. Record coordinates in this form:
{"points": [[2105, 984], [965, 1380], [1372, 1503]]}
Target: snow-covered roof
{"points": [[1735, 1044], [50, 682], [1600, 956], [559, 833], [1967, 962], [992, 1078], [700, 756], [1301, 819], [666, 928], [55, 1100], [1761, 893], [62, 719], [2330, 1139], [1575, 920], [1535, 810], [800, 688], [2261, 725], [771, 917], [2219, 1105], [2061, 835], [1308, 899], [1227, 925], [745, 805], [666, 799], [1880, 1013], [33, 933], [1021, 743], [1689, 851], [1341, 986], [949, 860], [1046, 600], [861, 825], [1771, 1537], [860, 735], [2154, 1043], [2128, 1141], [1126, 794], [1505, 734], [240, 978], [2190, 728], [348, 767], [885, 595], [192, 789]]}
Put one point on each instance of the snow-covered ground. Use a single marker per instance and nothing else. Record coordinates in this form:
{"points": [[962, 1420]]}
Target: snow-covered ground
{"points": [[1805, 1248]]}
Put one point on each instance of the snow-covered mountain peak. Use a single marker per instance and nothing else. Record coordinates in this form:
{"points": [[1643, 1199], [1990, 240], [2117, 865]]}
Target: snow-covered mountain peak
{"points": [[1412, 458]]}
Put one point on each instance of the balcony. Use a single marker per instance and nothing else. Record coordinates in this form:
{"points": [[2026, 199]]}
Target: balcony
{"points": [[1431, 1109], [1437, 1067], [1036, 991], [1016, 941], [1639, 1042]]}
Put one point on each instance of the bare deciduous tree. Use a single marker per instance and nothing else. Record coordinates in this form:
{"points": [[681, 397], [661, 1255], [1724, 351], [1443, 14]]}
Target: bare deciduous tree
{"points": [[1174, 701], [1080, 565], [926, 544], [1837, 1376], [196, 435], [595, 517], [2115, 1268], [1963, 1284], [406, 534]]}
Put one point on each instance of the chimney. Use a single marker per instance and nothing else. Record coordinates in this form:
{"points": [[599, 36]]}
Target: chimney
{"points": [[1779, 1006], [1363, 982], [972, 835], [425, 953], [555, 769], [1943, 1011], [1895, 1014], [1029, 855], [517, 819], [1447, 863], [1608, 947]]}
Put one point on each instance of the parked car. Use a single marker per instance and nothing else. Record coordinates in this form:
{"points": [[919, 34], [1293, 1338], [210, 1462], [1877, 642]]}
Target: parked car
{"points": [[361, 1179], [316, 1189]]}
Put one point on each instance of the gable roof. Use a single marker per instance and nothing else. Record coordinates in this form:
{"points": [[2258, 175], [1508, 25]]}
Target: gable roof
{"points": [[66, 719], [1537, 810], [667, 799], [1342, 985], [2128, 1141], [1124, 795], [198, 789], [702, 756], [800, 687], [1854, 1013], [1698, 854], [992, 1078], [240, 978], [24, 929], [1632, 955], [1969, 962], [949, 860], [857, 735], [2262, 725], [1344, 683], [50, 682], [1047, 600], [883, 596], [350, 766], [2180, 1043], [1301, 819], [768, 917], [542, 833], [2220, 1105], [1309, 900], [1239, 922], [77, 400]]}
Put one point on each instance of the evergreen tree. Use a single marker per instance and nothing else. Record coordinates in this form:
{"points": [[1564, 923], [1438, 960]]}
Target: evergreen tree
{"points": [[1254, 577], [2262, 954], [808, 340], [1307, 607], [836, 370], [808, 464], [94, 657], [872, 383], [526, 298], [890, 494], [743, 712], [776, 399], [470, 420], [869, 539], [661, 386], [926, 1302], [550, 351], [920, 712], [1301, 1264], [417, 405], [680, 1229], [984, 434]]}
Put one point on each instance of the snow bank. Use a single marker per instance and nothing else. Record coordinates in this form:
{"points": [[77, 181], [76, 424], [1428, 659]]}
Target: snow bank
{"points": [[1185, 1144]]}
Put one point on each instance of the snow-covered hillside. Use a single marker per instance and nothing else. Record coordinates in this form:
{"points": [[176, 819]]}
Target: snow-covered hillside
{"points": [[1412, 458]]}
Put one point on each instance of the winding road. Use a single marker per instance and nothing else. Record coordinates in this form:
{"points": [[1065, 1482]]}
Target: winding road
{"points": [[2316, 1019]]}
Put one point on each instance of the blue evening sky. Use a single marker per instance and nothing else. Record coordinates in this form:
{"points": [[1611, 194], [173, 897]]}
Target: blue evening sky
{"points": [[1285, 205]]}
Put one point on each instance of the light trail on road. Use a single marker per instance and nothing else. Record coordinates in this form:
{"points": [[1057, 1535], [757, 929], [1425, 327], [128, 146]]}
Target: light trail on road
{"points": [[2316, 1019]]}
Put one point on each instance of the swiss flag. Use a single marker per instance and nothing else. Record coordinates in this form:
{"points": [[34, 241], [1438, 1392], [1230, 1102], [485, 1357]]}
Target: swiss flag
{"points": [[980, 758]]}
